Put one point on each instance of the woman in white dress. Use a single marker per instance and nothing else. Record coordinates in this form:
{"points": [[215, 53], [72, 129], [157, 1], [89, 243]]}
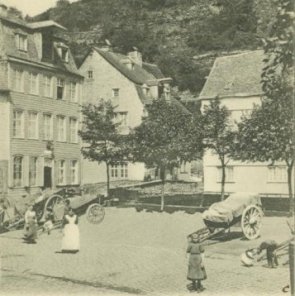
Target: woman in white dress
{"points": [[71, 235]]}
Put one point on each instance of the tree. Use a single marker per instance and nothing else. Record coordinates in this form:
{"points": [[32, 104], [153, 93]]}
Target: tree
{"points": [[162, 139], [218, 135], [102, 142], [269, 134]]}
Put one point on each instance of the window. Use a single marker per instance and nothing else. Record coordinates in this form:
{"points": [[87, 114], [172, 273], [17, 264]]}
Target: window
{"points": [[47, 86], [47, 127], [73, 130], [60, 89], [229, 174], [33, 125], [90, 74], [122, 118], [124, 170], [61, 129], [33, 171], [74, 172], [61, 172], [115, 92], [17, 81], [21, 42], [119, 171], [277, 174], [17, 171], [18, 124], [73, 92], [33, 84], [183, 168], [63, 52]]}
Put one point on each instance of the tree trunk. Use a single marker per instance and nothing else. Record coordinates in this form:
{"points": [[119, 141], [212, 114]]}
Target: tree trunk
{"points": [[223, 176], [108, 179], [290, 190], [163, 177]]}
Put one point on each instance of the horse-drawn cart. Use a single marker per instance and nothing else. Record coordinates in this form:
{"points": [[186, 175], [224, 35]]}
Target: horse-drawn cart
{"points": [[238, 208], [11, 218]]}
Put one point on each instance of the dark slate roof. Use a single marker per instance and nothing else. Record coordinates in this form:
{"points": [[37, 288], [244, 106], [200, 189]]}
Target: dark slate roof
{"points": [[235, 76], [153, 69], [138, 75], [31, 55], [147, 100]]}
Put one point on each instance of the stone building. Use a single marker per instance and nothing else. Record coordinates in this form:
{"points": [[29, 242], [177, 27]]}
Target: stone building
{"points": [[40, 92]]}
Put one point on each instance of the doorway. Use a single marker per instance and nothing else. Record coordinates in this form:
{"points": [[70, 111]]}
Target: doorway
{"points": [[48, 173]]}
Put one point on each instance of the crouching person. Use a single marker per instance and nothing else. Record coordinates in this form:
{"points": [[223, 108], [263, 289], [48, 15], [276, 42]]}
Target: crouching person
{"points": [[270, 247], [196, 269]]}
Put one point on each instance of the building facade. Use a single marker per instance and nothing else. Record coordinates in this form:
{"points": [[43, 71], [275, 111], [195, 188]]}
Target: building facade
{"points": [[235, 80], [40, 92], [131, 85]]}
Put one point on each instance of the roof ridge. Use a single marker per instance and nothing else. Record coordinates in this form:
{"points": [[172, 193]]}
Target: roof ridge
{"points": [[239, 54]]}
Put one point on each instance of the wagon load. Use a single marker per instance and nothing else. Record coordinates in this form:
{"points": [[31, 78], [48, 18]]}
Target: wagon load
{"points": [[231, 208], [239, 208]]}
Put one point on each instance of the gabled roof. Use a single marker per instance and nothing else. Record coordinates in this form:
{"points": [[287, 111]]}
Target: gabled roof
{"points": [[138, 75], [148, 100], [235, 76]]}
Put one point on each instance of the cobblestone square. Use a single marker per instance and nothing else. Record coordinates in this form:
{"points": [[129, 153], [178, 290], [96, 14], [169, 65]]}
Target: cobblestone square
{"points": [[140, 254]]}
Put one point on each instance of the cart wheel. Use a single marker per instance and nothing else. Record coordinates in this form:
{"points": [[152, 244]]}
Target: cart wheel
{"points": [[95, 213], [57, 204], [251, 221]]}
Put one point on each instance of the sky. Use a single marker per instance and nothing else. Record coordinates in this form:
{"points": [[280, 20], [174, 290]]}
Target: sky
{"points": [[31, 7]]}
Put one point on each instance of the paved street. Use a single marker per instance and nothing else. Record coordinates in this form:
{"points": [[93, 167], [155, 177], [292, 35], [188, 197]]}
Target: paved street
{"points": [[137, 253]]}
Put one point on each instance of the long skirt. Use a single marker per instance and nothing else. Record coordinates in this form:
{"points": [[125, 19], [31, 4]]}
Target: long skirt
{"points": [[195, 269], [71, 238]]}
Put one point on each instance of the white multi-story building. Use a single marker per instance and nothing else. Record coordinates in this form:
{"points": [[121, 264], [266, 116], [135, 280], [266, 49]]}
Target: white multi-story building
{"points": [[235, 80]]}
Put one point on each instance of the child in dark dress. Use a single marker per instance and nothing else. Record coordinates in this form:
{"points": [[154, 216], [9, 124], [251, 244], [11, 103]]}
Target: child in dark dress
{"points": [[196, 269]]}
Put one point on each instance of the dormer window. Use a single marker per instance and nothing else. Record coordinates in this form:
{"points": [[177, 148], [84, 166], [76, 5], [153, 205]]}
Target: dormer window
{"points": [[115, 92], [21, 41], [63, 52]]}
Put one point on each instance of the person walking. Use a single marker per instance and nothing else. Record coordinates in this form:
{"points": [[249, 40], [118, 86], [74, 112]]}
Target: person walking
{"points": [[71, 235], [31, 226], [196, 269]]}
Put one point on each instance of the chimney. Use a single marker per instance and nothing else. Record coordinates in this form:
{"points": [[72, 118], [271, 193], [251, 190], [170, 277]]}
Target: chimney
{"points": [[135, 56], [128, 63], [107, 46], [3, 10]]}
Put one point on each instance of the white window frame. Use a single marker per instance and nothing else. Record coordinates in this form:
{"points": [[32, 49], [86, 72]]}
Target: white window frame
{"points": [[74, 170], [18, 124], [47, 81], [33, 168], [115, 92], [33, 126], [33, 83], [61, 176], [17, 80], [229, 174], [18, 170], [61, 128], [73, 130], [90, 74], [73, 91], [277, 174], [119, 171], [47, 126], [60, 85], [21, 41]]}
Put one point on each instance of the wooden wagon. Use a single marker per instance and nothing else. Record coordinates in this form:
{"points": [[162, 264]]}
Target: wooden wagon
{"points": [[239, 208]]}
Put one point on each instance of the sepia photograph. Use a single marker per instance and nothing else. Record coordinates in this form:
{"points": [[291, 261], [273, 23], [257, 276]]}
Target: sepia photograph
{"points": [[147, 147]]}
